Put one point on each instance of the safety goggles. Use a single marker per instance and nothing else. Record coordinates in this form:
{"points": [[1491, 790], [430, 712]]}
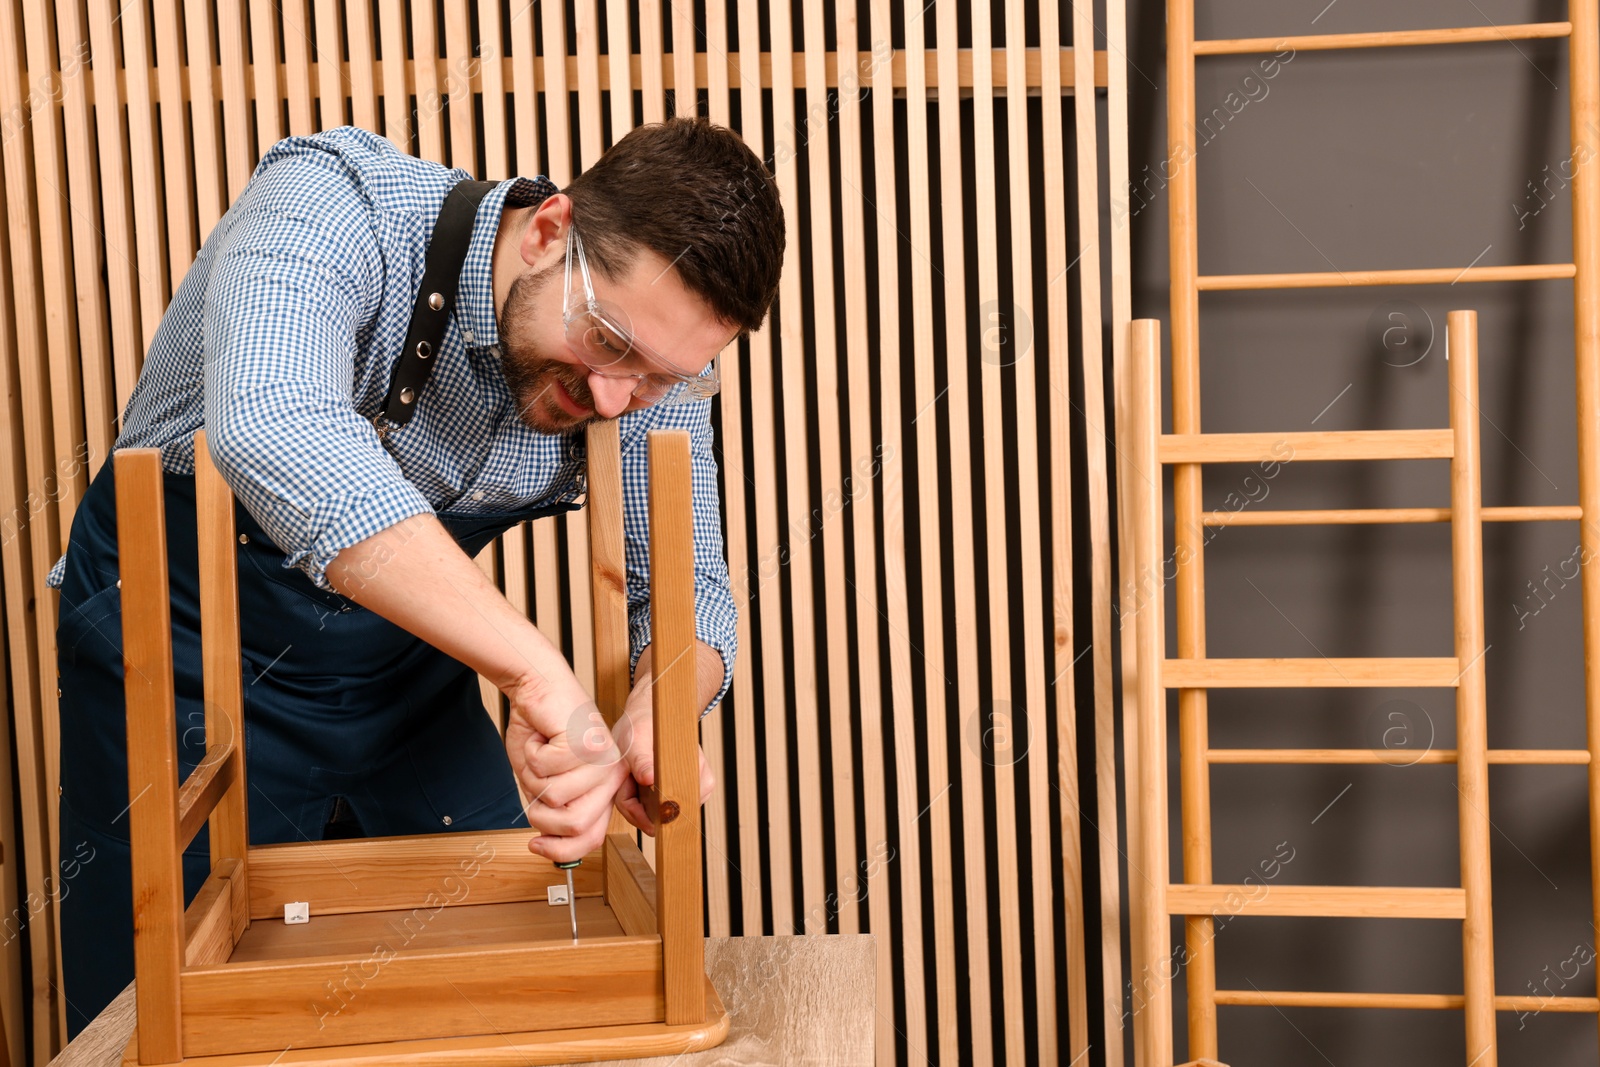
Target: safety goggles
{"points": [[597, 332]]}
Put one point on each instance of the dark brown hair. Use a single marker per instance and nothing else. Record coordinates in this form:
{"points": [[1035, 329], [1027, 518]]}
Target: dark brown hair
{"points": [[696, 195]]}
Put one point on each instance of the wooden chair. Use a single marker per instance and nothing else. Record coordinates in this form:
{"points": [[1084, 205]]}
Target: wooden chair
{"points": [[425, 949]]}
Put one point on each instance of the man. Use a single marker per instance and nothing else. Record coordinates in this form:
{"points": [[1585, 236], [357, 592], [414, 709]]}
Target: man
{"points": [[371, 465]]}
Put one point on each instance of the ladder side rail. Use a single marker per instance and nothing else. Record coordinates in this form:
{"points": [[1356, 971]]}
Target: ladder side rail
{"points": [[1472, 762], [1155, 1035], [1189, 535], [1584, 68]]}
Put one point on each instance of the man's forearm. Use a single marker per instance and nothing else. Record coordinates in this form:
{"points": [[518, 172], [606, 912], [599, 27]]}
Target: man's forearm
{"points": [[709, 671], [416, 576]]}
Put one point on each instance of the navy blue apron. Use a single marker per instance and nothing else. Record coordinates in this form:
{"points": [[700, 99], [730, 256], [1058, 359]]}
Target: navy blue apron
{"points": [[344, 711]]}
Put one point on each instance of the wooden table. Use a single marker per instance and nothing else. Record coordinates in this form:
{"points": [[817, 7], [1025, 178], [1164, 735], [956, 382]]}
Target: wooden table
{"points": [[793, 1000]]}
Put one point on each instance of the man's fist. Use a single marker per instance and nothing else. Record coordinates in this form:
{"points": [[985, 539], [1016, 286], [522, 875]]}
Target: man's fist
{"points": [[569, 768]]}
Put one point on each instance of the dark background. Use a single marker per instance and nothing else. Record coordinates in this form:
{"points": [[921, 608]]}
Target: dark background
{"points": [[1385, 158]]}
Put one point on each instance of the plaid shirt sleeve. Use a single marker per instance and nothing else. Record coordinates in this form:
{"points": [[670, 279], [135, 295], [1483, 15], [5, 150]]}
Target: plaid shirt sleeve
{"points": [[716, 617], [295, 277]]}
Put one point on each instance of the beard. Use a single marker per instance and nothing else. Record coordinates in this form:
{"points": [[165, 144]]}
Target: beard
{"points": [[533, 377]]}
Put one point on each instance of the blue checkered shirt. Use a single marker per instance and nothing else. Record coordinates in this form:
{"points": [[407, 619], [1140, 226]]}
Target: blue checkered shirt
{"points": [[282, 339]]}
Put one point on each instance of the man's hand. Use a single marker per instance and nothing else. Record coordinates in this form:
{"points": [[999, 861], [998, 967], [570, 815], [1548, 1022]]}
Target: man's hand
{"points": [[568, 766], [635, 736], [635, 731]]}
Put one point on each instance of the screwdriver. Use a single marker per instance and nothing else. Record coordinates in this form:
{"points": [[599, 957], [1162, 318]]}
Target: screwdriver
{"points": [[572, 897]]}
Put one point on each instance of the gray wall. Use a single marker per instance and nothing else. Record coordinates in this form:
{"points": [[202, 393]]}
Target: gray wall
{"points": [[1384, 159]]}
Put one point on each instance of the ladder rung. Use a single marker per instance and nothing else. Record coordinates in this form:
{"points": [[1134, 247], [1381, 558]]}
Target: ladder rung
{"points": [[1272, 998], [1395, 757], [1422, 672], [205, 785], [1428, 276], [1347, 902], [1302, 445], [1568, 1004], [1363, 516], [1527, 31]]}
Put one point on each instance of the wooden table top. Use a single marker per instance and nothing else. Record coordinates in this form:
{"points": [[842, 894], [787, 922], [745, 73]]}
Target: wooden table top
{"points": [[792, 999]]}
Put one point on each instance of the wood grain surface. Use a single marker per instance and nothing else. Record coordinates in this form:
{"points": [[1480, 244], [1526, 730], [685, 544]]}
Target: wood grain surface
{"points": [[792, 1000]]}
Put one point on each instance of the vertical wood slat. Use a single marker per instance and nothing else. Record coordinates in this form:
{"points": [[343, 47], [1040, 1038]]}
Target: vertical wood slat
{"points": [[1037, 632], [222, 666], [1086, 181], [769, 631], [17, 552], [993, 432], [1064, 643], [800, 690], [871, 796], [1105, 726], [510, 548], [331, 110], [363, 67], [210, 196], [485, 62], [905, 804], [177, 166], [936, 685], [295, 16], [803, 704], [684, 47], [525, 100], [264, 59], [455, 96], [88, 252], [13, 995], [824, 454], [148, 225], [238, 143], [425, 61], [396, 85], [123, 279], [618, 48], [678, 894], [592, 143], [586, 25], [559, 168], [460, 70], [717, 728], [956, 404], [653, 80], [152, 752], [1472, 737]]}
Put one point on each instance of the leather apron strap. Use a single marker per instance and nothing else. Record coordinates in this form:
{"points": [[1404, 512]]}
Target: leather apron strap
{"points": [[436, 299]]}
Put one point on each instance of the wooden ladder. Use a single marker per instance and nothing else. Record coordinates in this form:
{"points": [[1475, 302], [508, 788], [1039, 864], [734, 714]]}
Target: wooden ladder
{"points": [[1193, 674]]}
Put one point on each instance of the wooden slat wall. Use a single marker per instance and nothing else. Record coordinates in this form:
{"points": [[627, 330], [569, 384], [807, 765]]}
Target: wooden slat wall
{"points": [[904, 448]]}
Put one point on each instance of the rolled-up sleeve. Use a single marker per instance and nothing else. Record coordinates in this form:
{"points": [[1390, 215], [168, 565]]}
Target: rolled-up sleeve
{"points": [[296, 275], [716, 617]]}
